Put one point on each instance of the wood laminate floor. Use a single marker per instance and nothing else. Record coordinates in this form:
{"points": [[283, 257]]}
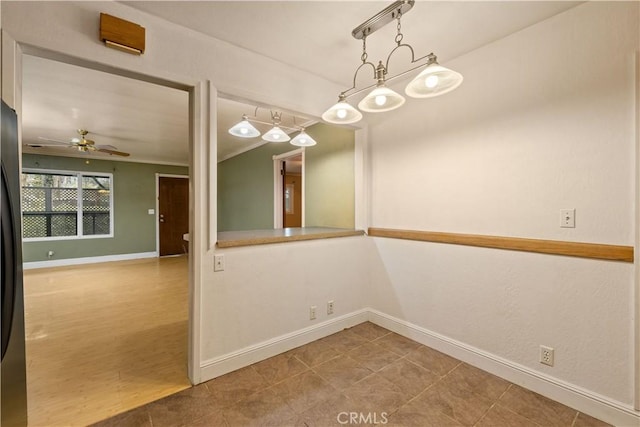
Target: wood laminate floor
{"points": [[104, 338]]}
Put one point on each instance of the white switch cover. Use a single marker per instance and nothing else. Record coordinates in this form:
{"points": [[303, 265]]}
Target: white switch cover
{"points": [[568, 218], [218, 263], [152, 211]]}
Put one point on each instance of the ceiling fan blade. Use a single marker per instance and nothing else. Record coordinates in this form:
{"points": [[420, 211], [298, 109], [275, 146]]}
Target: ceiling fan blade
{"points": [[53, 141], [49, 144], [117, 153], [106, 147]]}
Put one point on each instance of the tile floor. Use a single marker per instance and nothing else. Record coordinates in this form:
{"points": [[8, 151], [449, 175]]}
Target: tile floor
{"points": [[365, 375]]}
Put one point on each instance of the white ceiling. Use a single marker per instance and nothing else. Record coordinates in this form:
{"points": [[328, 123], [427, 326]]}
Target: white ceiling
{"points": [[151, 121], [315, 36], [144, 119]]}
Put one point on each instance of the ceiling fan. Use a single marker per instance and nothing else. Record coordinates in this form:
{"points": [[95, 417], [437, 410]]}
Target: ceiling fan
{"points": [[81, 144]]}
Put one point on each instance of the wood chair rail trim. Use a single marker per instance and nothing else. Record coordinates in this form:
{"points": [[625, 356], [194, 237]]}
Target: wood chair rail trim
{"points": [[551, 247]]}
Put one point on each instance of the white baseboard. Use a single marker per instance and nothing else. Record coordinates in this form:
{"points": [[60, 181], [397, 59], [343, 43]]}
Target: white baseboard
{"points": [[571, 395], [221, 365], [87, 260]]}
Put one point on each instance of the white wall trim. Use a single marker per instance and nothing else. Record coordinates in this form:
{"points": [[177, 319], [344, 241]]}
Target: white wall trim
{"points": [[87, 260], [221, 365], [586, 401], [576, 397], [636, 290]]}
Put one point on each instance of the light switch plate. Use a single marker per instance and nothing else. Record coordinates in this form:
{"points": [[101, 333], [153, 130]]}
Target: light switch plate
{"points": [[567, 218], [218, 262]]}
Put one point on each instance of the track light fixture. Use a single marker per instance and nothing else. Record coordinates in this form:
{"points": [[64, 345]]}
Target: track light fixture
{"points": [[244, 129], [434, 80]]}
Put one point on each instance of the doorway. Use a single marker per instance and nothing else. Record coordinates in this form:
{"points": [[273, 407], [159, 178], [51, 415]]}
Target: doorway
{"points": [[134, 359], [288, 190], [292, 201], [173, 214]]}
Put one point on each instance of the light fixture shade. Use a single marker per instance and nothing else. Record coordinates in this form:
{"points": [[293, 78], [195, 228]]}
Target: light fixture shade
{"points": [[303, 140], [244, 129], [276, 135], [381, 99], [342, 113], [433, 81]]}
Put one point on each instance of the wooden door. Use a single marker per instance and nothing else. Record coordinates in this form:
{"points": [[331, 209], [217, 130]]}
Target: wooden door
{"points": [[292, 209], [173, 203]]}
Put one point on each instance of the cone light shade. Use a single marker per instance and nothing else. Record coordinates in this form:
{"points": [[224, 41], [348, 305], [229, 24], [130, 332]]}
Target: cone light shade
{"points": [[433, 81], [303, 140], [342, 113], [276, 135], [381, 99], [244, 129]]}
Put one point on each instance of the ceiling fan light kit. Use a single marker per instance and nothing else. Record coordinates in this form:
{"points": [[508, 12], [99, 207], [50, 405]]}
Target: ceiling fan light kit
{"points": [[434, 80]]}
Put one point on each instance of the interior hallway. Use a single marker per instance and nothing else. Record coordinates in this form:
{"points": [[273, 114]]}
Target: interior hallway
{"points": [[104, 338], [362, 370]]}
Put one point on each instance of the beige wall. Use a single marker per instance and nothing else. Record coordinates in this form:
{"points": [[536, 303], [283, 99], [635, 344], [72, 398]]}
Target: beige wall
{"points": [[537, 126]]}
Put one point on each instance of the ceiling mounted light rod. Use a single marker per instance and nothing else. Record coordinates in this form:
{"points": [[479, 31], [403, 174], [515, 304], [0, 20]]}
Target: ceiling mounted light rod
{"points": [[382, 18], [276, 121], [434, 80]]}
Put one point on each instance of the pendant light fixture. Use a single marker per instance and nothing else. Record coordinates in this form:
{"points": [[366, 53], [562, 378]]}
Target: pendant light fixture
{"points": [[342, 112], [434, 80], [303, 140], [244, 129], [381, 98], [275, 134]]}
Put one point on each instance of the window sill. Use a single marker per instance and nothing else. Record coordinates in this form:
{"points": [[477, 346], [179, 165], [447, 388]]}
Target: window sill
{"points": [[231, 239], [66, 238]]}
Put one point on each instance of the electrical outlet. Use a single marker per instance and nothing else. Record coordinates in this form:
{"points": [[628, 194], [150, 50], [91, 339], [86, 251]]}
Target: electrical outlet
{"points": [[218, 262], [312, 312], [330, 307], [546, 355]]}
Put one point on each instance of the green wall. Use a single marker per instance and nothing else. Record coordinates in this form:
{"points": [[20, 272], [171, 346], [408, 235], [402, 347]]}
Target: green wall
{"points": [[245, 188], [330, 178], [245, 183], [134, 191]]}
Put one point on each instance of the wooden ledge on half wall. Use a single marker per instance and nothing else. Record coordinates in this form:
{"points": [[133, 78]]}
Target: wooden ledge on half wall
{"points": [[231, 239]]}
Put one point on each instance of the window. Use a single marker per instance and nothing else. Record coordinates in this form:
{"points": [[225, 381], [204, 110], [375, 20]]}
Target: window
{"points": [[62, 205]]}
